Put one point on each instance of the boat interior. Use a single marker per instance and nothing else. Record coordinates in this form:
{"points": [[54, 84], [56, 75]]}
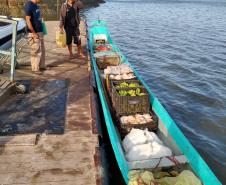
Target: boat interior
{"points": [[177, 162]]}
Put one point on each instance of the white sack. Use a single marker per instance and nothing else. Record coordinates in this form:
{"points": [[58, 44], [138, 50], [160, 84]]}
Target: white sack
{"points": [[139, 152], [159, 151], [151, 137], [135, 137]]}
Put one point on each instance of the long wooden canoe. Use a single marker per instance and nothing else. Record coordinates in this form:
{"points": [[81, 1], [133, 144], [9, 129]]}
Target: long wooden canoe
{"points": [[168, 131]]}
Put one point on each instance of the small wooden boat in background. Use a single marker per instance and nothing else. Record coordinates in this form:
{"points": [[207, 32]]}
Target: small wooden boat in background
{"points": [[6, 32], [168, 132]]}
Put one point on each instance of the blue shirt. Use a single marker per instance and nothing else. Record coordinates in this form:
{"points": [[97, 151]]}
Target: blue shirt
{"points": [[32, 9]]}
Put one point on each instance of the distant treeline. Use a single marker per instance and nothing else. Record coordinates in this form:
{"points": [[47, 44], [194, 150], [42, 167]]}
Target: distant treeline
{"points": [[49, 8], [44, 2]]}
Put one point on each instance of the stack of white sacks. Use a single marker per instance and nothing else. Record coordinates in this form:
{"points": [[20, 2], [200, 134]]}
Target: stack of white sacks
{"points": [[143, 145]]}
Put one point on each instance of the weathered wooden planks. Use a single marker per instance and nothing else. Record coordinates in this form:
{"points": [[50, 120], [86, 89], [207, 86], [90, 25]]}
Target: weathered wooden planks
{"points": [[66, 159], [48, 175], [4, 83], [18, 140]]}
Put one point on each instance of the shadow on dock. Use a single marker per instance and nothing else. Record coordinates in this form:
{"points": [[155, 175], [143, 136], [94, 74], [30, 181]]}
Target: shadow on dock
{"points": [[41, 110]]}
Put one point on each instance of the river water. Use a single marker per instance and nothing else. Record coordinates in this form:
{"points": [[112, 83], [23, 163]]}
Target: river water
{"points": [[179, 48]]}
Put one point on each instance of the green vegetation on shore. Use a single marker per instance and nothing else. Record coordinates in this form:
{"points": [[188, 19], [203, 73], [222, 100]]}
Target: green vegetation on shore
{"points": [[50, 8]]}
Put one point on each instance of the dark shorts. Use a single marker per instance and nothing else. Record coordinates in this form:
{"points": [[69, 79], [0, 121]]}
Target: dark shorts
{"points": [[72, 33]]}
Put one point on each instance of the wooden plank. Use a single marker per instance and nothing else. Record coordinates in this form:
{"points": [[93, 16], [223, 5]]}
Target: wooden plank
{"points": [[70, 138], [57, 147], [56, 143], [18, 140], [5, 85], [152, 163], [64, 140], [47, 156], [2, 82], [16, 150], [85, 162], [49, 175], [4, 94], [68, 182], [78, 133]]}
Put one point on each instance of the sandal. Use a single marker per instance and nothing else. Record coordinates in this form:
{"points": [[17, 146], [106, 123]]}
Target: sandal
{"points": [[71, 57], [45, 68], [38, 72], [81, 56]]}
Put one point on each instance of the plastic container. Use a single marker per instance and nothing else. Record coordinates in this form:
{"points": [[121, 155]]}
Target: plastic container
{"points": [[44, 31], [61, 39], [112, 59], [109, 81], [124, 129], [130, 104], [115, 83], [100, 39]]}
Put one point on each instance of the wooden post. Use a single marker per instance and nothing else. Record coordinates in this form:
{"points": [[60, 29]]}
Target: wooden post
{"points": [[57, 8], [7, 3]]}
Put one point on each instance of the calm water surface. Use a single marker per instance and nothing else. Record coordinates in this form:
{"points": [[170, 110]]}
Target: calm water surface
{"points": [[179, 47]]}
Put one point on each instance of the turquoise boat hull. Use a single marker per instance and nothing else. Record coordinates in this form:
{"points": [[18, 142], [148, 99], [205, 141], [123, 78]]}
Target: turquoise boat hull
{"points": [[197, 164]]}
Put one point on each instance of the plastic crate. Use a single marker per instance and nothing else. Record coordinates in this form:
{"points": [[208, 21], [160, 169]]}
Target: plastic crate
{"points": [[108, 60], [124, 129], [106, 47], [130, 104], [114, 83], [110, 82]]}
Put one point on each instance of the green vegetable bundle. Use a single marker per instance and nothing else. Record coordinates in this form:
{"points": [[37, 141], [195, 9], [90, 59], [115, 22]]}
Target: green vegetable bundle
{"points": [[131, 92], [124, 84]]}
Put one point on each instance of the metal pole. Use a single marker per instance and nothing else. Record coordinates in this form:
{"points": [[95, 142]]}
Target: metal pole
{"points": [[13, 52]]}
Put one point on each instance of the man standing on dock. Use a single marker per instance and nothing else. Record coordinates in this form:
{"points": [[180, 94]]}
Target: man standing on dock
{"points": [[70, 20], [35, 37]]}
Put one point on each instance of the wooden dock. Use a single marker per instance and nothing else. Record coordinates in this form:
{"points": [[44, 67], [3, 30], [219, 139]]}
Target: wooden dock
{"points": [[5, 89], [70, 158], [4, 83]]}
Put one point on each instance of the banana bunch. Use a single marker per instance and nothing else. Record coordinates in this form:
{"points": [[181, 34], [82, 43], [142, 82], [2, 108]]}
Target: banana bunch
{"points": [[124, 84], [131, 92]]}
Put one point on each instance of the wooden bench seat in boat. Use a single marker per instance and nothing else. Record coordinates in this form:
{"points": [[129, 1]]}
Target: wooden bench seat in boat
{"points": [[160, 162]]}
